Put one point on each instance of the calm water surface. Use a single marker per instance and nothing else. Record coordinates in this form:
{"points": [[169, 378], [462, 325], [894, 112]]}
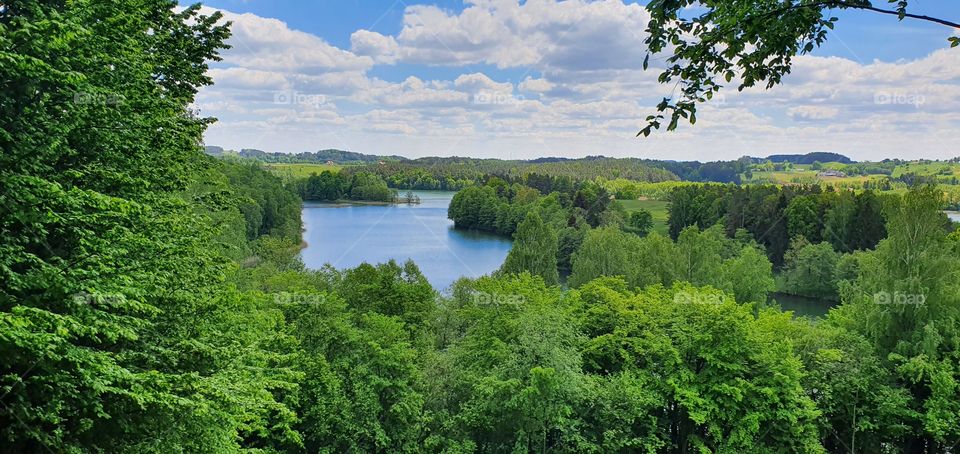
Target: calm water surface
{"points": [[803, 306], [348, 235]]}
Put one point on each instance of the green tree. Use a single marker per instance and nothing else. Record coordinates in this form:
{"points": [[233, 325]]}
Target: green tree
{"points": [[804, 218], [605, 251], [811, 270], [699, 255], [534, 250], [117, 332], [754, 43], [905, 301], [359, 391], [390, 289], [748, 276], [474, 208], [511, 381], [709, 375], [640, 222], [838, 224], [569, 241], [862, 407]]}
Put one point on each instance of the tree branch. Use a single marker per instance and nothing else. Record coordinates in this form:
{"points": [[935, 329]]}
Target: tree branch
{"points": [[869, 8]]}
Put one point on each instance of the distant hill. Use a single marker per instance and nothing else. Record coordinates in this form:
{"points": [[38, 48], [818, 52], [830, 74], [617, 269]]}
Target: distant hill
{"points": [[322, 156], [808, 158], [213, 150]]}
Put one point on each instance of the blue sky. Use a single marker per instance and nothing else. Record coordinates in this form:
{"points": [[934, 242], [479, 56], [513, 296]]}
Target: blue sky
{"points": [[498, 78], [862, 35]]}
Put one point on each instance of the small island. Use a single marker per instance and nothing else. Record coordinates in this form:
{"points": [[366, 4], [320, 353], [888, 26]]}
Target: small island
{"points": [[347, 187]]}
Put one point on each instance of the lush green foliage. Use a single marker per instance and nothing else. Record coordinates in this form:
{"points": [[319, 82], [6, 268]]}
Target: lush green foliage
{"points": [[546, 175], [773, 215], [151, 298], [534, 250], [318, 157], [332, 186], [118, 328], [639, 222], [811, 270]]}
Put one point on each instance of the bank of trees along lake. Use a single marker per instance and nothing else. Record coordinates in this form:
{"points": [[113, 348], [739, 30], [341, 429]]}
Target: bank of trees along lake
{"points": [[152, 300], [331, 186]]}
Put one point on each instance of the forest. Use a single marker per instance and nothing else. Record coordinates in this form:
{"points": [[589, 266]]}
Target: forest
{"points": [[334, 186], [152, 298]]}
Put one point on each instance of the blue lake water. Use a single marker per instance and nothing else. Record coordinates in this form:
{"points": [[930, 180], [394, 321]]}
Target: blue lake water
{"points": [[348, 235]]}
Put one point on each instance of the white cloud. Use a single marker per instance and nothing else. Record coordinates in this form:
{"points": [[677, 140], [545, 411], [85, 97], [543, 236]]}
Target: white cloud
{"points": [[573, 35], [383, 49], [246, 78], [535, 85], [477, 82], [416, 92], [269, 44], [580, 91], [813, 112]]}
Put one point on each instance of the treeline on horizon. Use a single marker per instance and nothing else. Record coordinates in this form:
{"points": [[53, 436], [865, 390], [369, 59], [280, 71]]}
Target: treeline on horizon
{"points": [[455, 173]]}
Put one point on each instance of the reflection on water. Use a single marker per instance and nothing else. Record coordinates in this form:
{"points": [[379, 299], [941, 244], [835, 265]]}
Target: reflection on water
{"points": [[803, 306], [953, 215], [347, 235]]}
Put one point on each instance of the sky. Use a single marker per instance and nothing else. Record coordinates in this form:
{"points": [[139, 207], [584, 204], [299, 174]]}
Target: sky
{"points": [[520, 80]]}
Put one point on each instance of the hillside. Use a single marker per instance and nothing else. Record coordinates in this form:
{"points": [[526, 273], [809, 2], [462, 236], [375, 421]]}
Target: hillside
{"points": [[326, 156], [808, 158]]}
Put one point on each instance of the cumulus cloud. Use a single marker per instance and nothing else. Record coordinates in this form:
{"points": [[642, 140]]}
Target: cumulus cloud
{"points": [[535, 85], [477, 82], [580, 91], [416, 92], [269, 44], [383, 49], [572, 35], [813, 112]]}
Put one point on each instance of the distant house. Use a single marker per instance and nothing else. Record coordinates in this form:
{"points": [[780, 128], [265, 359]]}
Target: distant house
{"points": [[831, 173], [381, 162], [330, 163]]}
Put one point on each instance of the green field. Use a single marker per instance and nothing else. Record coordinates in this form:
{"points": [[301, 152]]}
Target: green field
{"points": [[802, 174], [657, 208], [943, 169], [298, 170]]}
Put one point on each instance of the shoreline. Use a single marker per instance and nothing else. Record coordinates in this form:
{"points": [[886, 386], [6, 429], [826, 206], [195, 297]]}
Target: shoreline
{"points": [[348, 202]]}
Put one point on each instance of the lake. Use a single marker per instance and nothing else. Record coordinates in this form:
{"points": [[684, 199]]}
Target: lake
{"points": [[346, 235], [953, 215], [802, 306]]}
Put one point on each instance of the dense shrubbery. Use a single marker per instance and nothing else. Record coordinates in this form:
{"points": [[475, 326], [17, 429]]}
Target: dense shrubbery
{"points": [[773, 215]]}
